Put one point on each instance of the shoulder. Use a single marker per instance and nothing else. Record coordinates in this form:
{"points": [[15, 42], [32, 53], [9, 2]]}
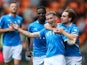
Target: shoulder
{"points": [[19, 17], [59, 24], [74, 26], [43, 30], [33, 23], [4, 16]]}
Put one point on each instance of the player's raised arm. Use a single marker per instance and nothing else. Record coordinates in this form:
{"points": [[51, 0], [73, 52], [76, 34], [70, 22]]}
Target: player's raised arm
{"points": [[26, 33], [48, 26], [71, 37]]}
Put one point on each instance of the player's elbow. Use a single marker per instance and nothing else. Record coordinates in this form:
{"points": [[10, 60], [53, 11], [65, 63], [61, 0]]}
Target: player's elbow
{"points": [[71, 42]]}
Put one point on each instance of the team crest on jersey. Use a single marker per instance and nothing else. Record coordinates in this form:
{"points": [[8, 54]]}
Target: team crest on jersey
{"points": [[35, 29], [9, 21], [49, 33], [75, 29], [19, 21]]}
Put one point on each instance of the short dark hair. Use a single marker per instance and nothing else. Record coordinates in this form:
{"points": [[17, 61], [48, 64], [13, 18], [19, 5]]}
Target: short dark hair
{"points": [[71, 12], [51, 12], [42, 7], [13, 2]]}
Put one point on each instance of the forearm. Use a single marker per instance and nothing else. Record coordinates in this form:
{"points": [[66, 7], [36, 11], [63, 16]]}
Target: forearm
{"points": [[48, 26], [69, 36], [28, 48], [71, 42], [29, 44], [28, 34], [4, 30]]}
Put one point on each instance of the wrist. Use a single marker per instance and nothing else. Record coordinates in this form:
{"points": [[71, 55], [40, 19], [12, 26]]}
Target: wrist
{"points": [[63, 32], [7, 30], [17, 29], [27, 50], [53, 29]]}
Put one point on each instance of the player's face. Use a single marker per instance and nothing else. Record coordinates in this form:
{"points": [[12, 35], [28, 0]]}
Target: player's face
{"points": [[51, 19], [41, 14], [13, 8], [64, 17]]}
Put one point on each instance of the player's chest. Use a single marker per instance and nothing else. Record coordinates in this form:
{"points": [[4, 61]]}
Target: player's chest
{"points": [[15, 20], [52, 34]]}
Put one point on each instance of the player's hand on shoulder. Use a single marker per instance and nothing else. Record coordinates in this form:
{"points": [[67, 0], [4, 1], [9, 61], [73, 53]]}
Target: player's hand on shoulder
{"points": [[60, 30], [55, 30]]}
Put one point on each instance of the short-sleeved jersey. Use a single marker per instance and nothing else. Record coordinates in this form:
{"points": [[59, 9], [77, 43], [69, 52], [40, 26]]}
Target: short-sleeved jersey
{"points": [[71, 50], [54, 43], [11, 38], [39, 44]]}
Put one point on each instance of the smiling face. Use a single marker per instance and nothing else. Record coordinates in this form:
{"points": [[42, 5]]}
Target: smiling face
{"points": [[51, 19], [65, 18], [13, 8]]}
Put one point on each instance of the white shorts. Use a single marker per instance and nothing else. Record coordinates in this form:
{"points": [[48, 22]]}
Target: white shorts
{"points": [[73, 60], [55, 60], [38, 60], [12, 52]]}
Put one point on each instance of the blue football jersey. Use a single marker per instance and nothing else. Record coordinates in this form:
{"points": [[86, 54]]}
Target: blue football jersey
{"points": [[71, 50], [39, 44], [54, 43], [11, 38]]}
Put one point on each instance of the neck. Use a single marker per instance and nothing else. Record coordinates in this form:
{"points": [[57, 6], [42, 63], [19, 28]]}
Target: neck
{"points": [[67, 24], [41, 21], [12, 14], [55, 24]]}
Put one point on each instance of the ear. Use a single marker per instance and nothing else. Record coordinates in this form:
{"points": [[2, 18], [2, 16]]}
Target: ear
{"points": [[70, 19], [56, 17]]}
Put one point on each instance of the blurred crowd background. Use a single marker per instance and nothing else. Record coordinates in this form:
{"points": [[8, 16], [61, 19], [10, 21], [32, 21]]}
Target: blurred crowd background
{"points": [[27, 9]]}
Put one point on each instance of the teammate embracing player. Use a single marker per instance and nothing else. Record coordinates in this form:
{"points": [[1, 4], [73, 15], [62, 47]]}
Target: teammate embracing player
{"points": [[70, 36]]}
